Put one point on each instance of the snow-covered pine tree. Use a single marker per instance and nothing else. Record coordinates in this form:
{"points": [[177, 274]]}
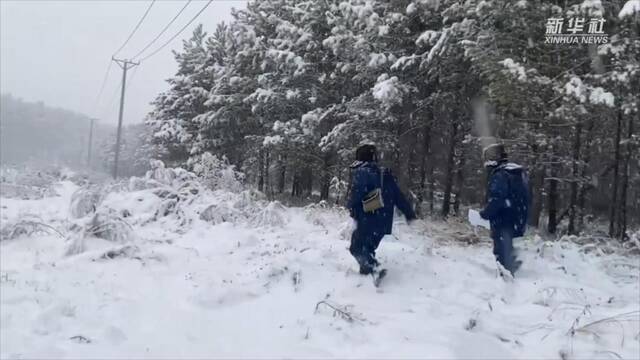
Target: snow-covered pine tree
{"points": [[288, 89]]}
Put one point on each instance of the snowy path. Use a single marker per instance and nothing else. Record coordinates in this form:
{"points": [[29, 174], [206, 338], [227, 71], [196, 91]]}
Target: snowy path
{"points": [[230, 291]]}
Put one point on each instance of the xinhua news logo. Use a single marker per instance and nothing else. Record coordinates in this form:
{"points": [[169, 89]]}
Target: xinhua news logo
{"points": [[577, 31]]}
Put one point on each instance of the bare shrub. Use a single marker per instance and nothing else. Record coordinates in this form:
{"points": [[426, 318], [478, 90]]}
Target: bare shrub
{"points": [[137, 183], [271, 215], [84, 201], [26, 226], [219, 213], [110, 226], [249, 198], [217, 173]]}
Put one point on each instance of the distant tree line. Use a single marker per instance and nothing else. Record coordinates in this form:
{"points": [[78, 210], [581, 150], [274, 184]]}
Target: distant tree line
{"points": [[31, 132], [136, 150], [289, 88], [34, 134]]}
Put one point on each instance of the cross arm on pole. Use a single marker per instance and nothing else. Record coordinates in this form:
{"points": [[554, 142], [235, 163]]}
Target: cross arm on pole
{"points": [[125, 63]]}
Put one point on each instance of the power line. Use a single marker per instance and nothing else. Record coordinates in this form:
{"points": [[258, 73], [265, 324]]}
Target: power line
{"points": [[178, 33], [163, 30], [109, 110], [104, 83], [90, 143], [106, 75], [133, 75], [136, 28]]}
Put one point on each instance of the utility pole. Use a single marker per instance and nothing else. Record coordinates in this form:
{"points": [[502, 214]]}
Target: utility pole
{"points": [[124, 65], [90, 143]]}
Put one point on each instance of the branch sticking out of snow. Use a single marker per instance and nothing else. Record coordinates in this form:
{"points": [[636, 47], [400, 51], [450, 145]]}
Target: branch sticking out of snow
{"points": [[342, 312]]}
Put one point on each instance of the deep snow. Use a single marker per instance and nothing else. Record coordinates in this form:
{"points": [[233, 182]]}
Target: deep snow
{"points": [[235, 290]]}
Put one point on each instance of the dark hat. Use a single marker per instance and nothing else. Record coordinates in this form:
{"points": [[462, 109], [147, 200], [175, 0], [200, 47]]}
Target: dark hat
{"points": [[366, 152], [494, 154]]}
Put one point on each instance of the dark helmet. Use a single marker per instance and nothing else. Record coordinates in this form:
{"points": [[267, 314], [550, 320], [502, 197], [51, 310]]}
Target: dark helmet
{"points": [[494, 154], [366, 152]]}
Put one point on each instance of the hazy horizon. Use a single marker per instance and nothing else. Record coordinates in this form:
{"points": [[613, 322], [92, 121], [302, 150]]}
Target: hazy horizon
{"points": [[57, 52]]}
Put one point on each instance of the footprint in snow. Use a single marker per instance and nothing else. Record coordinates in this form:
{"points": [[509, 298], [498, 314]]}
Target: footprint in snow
{"points": [[115, 335], [223, 297]]}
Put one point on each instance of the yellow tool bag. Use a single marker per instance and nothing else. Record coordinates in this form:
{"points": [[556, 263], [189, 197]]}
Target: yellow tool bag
{"points": [[373, 201]]}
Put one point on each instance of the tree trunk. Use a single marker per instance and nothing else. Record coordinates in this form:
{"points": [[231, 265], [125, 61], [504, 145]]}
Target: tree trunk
{"points": [[426, 143], [582, 195], [296, 185], [283, 172], [324, 189], [448, 182], [267, 177], [459, 182], [261, 170], [326, 178], [536, 188], [552, 204], [307, 181], [432, 187], [412, 168], [614, 190], [573, 198], [622, 219]]}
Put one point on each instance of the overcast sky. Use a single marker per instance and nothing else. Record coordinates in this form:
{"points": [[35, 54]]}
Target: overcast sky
{"points": [[58, 51]]}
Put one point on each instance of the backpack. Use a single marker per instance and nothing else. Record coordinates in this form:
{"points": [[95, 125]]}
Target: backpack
{"points": [[518, 196]]}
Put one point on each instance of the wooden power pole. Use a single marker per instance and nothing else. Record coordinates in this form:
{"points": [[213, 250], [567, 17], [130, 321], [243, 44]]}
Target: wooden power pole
{"points": [[124, 65]]}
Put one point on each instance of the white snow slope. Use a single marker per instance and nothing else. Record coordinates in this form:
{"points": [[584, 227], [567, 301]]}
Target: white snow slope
{"points": [[237, 291]]}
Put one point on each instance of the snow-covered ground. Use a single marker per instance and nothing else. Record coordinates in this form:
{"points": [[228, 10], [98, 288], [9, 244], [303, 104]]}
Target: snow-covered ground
{"points": [[282, 284]]}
